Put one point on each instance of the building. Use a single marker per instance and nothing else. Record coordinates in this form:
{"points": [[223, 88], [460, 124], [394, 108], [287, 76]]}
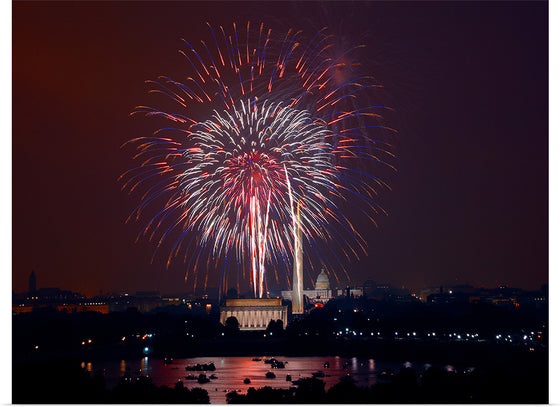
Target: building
{"points": [[68, 308], [322, 282], [255, 314], [146, 301], [353, 292], [376, 291], [369, 288], [321, 293]]}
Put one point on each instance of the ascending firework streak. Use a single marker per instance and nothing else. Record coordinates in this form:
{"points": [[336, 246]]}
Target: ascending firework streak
{"points": [[258, 244], [265, 122]]}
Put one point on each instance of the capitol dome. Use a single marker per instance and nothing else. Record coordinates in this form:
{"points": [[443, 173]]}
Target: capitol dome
{"points": [[322, 282]]}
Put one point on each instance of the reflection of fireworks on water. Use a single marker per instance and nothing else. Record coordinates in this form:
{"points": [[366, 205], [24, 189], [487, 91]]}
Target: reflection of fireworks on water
{"points": [[265, 126]]}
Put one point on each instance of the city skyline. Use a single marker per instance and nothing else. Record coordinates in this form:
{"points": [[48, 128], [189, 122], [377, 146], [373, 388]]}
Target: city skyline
{"points": [[469, 200], [357, 289]]}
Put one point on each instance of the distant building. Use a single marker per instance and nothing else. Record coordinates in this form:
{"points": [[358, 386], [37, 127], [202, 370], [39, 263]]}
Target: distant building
{"points": [[401, 296], [102, 308], [369, 287], [54, 294], [352, 292], [55, 299], [321, 293], [255, 314], [146, 301], [441, 298], [426, 292]]}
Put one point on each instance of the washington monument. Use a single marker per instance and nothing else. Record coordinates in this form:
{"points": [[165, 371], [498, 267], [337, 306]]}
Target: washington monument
{"points": [[297, 276]]}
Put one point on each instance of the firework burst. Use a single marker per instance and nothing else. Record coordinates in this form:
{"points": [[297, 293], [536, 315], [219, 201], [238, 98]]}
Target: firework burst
{"points": [[263, 126]]}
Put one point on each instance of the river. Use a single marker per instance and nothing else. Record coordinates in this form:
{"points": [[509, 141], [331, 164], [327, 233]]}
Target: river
{"points": [[231, 371]]}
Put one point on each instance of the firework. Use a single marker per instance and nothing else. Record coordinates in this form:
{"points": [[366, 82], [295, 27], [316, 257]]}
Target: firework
{"points": [[263, 125]]}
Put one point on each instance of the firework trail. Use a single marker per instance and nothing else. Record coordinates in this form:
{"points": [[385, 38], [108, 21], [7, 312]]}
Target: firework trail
{"points": [[263, 125]]}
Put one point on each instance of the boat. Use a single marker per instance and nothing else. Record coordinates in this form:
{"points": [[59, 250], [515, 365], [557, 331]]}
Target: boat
{"points": [[270, 361], [256, 359], [326, 365], [318, 373], [167, 361], [203, 367], [270, 375], [191, 377], [247, 380], [288, 378], [203, 379], [213, 376], [276, 364]]}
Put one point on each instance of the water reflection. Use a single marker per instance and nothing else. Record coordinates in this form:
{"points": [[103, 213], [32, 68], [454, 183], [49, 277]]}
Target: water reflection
{"points": [[231, 372], [144, 366]]}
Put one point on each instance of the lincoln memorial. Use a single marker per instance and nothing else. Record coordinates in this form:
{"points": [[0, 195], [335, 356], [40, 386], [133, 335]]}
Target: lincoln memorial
{"points": [[255, 314]]}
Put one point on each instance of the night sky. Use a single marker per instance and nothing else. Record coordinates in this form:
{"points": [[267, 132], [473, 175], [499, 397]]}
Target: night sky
{"points": [[468, 82]]}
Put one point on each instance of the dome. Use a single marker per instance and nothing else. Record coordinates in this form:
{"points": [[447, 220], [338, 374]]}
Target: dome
{"points": [[322, 282]]}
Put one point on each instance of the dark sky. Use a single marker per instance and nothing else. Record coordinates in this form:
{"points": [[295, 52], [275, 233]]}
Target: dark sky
{"points": [[468, 81]]}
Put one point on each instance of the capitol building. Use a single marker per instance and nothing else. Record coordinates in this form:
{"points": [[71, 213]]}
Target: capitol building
{"points": [[321, 293]]}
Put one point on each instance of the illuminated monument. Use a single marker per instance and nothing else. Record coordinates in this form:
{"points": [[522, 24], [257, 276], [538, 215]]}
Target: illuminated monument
{"points": [[297, 276], [254, 313]]}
